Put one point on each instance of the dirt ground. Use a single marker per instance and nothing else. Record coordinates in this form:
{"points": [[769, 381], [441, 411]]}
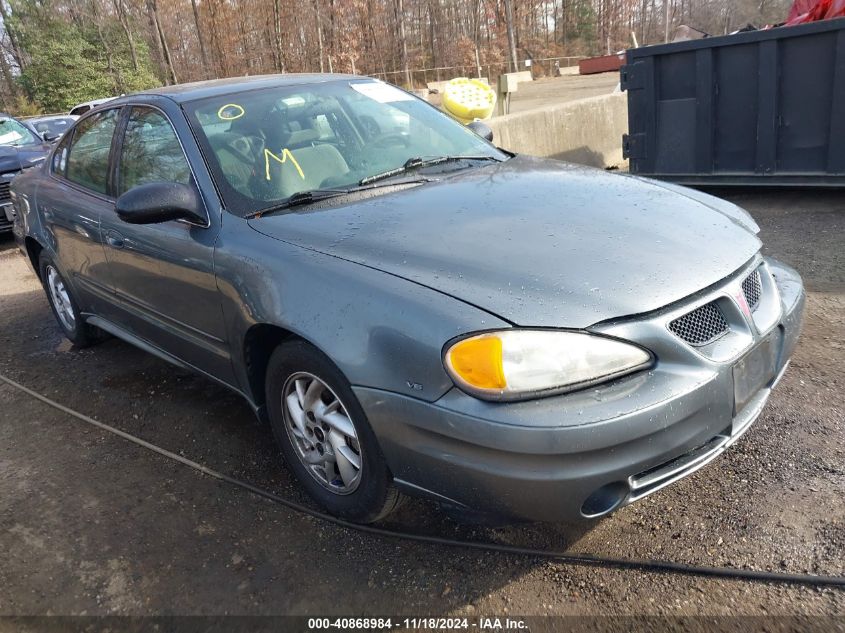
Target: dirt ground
{"points": [[91, 524]]}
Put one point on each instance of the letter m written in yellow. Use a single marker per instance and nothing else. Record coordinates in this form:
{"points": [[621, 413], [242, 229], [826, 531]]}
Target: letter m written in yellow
{"points": [[286, 154]]}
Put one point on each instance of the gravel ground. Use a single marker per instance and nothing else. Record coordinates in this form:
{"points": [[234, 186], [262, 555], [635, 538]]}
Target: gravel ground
{"points": [[93, 525]]}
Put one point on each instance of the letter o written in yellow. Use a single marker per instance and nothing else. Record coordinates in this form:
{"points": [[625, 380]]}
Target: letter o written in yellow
{"points": [[230, 112]]}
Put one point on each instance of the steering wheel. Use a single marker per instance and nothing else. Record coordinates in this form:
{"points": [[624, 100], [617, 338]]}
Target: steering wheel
{"points": [[390, 139], [369, 127]]}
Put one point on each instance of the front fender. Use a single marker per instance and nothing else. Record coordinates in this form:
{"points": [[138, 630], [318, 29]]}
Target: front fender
{"points": [[730, 210], [28, 223], [382, 331]]}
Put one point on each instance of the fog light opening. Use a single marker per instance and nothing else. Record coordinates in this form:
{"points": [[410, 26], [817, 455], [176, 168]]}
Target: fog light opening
{"points": [[605, 500]]}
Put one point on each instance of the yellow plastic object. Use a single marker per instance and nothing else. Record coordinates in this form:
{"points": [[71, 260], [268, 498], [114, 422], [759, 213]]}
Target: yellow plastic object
{"points": [[478, 362], [469, 99]]}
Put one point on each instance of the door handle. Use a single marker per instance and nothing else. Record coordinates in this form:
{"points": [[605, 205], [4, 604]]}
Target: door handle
{"points": [[114, 239]]}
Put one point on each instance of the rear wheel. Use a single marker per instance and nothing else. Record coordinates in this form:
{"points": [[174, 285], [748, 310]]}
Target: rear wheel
{"points": [[324, 436], [64, 305]]}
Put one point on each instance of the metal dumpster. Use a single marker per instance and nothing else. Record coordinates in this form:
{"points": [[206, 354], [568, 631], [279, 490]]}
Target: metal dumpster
{"points": [[755, 108]]}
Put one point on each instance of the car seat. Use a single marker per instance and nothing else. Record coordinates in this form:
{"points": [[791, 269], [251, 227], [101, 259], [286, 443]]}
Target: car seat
{"points": [[317, 164], [236, 166]]}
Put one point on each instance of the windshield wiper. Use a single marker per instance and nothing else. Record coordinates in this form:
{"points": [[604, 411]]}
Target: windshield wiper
{"points": [[316, 195], [300, 197], [419, 161]]}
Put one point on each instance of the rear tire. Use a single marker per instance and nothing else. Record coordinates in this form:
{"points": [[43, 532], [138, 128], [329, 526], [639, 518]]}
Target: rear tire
{"points": [[324, 435], [64, 305]]}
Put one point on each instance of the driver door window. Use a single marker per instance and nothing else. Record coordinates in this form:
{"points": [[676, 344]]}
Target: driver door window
{"points": [[163, 272], [151, 152]]}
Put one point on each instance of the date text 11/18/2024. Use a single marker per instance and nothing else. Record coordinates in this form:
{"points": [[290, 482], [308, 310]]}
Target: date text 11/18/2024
{"points": [[491, 623]]}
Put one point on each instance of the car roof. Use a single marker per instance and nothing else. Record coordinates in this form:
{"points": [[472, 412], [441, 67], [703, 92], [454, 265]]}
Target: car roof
{"points": [[5, 116], [93, 102], [216, 87], [49, 117]]}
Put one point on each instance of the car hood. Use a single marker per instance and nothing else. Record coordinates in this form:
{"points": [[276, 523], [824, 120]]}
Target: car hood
{"points": [[535, 242], [16, 158]]}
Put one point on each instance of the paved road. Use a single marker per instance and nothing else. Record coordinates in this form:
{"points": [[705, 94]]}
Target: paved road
{"points": [[90, 523]]}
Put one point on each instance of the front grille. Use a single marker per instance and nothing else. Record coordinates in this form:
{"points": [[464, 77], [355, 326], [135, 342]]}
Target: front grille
{"points": [[4, 190], [752, 288], [701, 326]]}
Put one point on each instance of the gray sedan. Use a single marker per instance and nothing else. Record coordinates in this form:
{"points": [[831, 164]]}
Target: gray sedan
{"points": [[413, 311]]}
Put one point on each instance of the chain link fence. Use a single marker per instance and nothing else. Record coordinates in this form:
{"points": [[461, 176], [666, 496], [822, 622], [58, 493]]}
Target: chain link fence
{"points": [[421, 77]]}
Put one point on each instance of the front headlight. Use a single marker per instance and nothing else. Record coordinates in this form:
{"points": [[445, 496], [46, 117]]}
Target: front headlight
{"points": [[520, 364]]}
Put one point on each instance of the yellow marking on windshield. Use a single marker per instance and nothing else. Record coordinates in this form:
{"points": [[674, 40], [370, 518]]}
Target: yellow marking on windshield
{"points": [[286, 153], [225, 115]]}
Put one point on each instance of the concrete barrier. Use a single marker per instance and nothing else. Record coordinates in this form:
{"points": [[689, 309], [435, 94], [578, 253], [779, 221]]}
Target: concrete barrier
{"points": [[523, 76], [587, 131]]}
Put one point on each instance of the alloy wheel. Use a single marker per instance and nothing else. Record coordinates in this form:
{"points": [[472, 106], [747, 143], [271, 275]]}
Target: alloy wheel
{"points": [[60, 299], [322, 433]]}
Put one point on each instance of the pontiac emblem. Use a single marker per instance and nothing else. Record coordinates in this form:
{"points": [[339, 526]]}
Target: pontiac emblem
{"points": [[739, 297]]}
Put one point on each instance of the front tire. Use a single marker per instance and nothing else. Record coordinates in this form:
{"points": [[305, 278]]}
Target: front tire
{"points": [[64, 305], [324, 436]]}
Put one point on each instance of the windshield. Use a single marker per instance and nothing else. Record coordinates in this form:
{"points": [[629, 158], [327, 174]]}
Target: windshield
{"points": [[56, 126], [14, 133], [266, 145]]}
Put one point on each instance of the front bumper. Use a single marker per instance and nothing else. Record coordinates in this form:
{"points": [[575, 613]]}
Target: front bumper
{"points": [[582, 455], [7, 216]]}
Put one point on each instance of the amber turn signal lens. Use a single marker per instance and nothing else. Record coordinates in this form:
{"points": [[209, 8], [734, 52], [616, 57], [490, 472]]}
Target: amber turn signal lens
{"points": [[517, 364], [478, 361]]}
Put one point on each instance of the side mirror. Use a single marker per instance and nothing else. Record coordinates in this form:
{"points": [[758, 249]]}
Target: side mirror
{"points": [[50, 137], [482, 129], [160, 202]]}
